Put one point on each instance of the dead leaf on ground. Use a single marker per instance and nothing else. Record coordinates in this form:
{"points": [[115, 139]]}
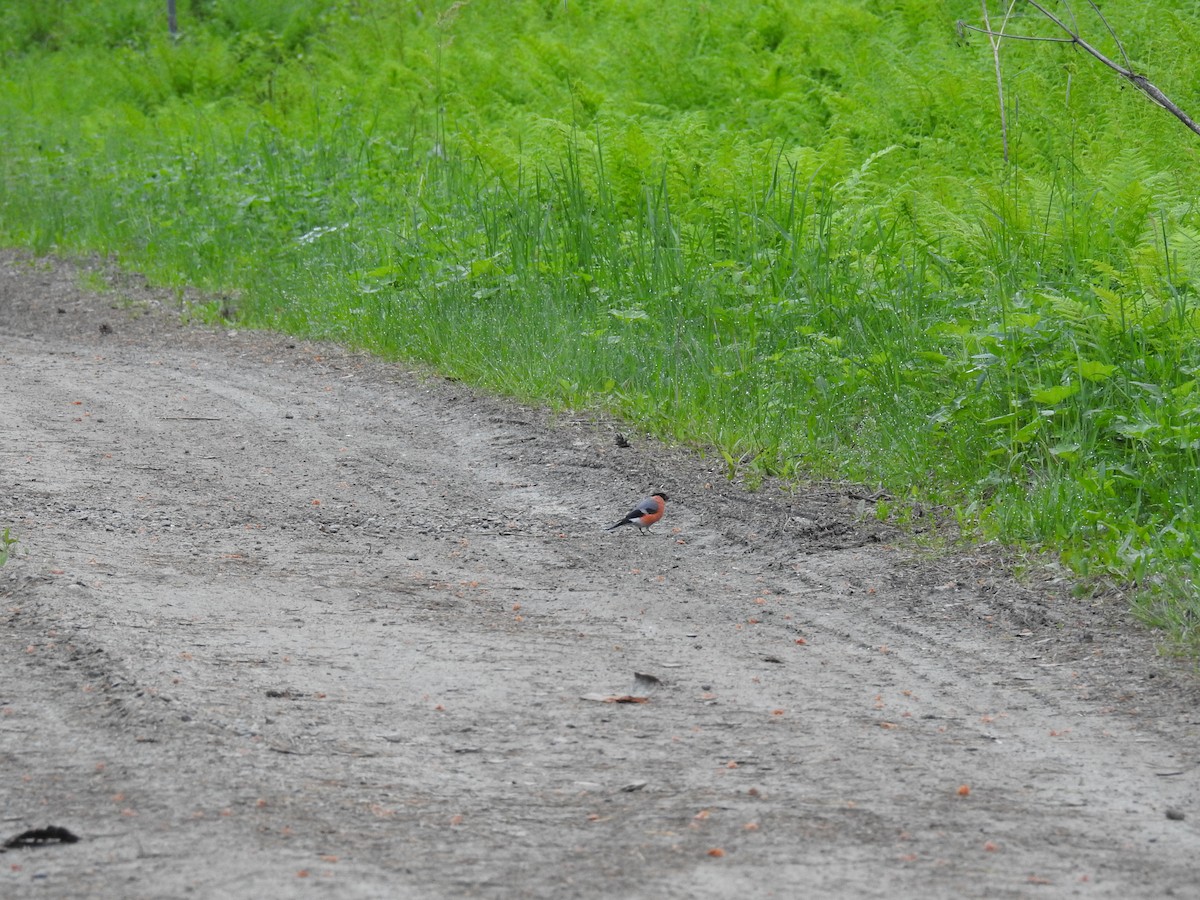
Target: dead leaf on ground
{"points": [[645, 680], [40, 837], [614, 698]]}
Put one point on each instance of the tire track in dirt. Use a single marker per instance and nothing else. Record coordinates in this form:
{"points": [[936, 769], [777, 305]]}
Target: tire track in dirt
{"points": [[335, 624]]}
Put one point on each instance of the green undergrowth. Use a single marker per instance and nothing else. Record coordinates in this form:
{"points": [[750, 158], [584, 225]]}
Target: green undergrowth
{"points": [[785, 230], [7, 542]]}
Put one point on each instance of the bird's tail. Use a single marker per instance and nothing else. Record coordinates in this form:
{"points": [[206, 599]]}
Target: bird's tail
{"points": [[618, 525]]}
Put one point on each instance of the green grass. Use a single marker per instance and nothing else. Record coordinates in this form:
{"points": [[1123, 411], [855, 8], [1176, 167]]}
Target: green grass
{"points": [[6, 544], [783, 230]]}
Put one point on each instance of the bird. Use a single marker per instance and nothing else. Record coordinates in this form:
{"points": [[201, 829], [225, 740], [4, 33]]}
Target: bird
{"points": [[648, 511]]}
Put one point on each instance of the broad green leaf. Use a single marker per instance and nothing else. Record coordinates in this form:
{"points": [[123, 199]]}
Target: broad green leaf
{"points": [[632, 314], [1095, 371], [1057, 394], [1066, 452], [482, 267], [1028, 432], [1136, 429]]}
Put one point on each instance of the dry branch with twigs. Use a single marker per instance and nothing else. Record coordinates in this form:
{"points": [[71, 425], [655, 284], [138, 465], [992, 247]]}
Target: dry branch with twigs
{"points": [[1141, 82], [994, 39]]}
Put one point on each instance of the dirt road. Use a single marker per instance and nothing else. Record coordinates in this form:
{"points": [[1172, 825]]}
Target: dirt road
{"points": [[285, 621]]}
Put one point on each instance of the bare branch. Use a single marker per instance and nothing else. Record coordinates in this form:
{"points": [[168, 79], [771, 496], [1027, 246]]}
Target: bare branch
{"points": [[1141, 82], [1112, 34], [994, 40], [966, 26]]}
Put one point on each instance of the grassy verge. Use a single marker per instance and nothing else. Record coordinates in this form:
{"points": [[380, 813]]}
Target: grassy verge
{"points": [[6, 544], [785, 230]]}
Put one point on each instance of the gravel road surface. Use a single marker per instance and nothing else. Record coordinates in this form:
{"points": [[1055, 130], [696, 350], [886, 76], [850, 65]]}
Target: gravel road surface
{"points": [[287, 620]]}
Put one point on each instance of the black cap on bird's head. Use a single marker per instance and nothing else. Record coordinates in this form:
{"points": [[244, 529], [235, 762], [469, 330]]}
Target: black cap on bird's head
{"points": [[662, 494]]}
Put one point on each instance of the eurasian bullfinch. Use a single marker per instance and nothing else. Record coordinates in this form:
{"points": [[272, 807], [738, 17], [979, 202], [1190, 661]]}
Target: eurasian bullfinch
{"points": [[645, 514]]}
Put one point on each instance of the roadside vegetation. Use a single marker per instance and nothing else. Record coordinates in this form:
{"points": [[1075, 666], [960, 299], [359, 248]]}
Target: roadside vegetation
{"points": [[799, 232]]}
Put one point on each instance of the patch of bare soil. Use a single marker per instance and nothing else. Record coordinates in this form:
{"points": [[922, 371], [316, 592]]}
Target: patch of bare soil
{"points": [[288, 619]]}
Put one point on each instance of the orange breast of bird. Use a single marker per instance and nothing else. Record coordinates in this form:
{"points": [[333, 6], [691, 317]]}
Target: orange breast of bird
{"points": [[651, 518]]}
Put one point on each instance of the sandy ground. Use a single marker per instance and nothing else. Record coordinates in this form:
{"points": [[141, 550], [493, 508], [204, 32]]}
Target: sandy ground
{"points": [[285, 620]]}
